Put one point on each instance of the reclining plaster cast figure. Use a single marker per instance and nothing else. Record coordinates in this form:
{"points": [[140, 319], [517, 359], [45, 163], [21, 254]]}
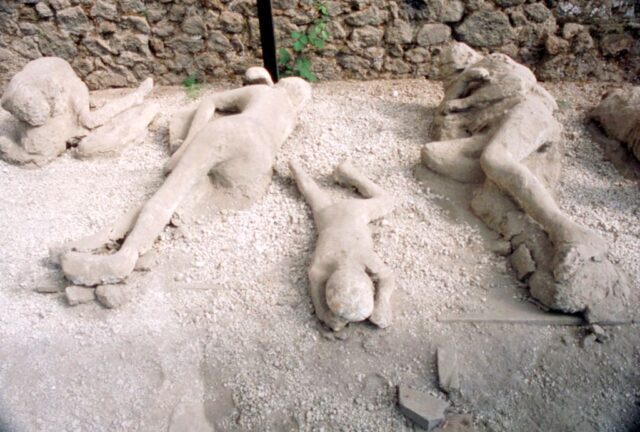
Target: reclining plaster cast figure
{"points": [[344, 264], [50, 108], [237, 151], [496, 122], [619, 115]]}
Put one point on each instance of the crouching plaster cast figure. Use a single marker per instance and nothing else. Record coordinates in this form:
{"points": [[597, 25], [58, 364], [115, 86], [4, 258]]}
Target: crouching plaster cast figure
{"points": [[236, 151], [344, 264], [619, 115], [50, 108], [496, 122]]}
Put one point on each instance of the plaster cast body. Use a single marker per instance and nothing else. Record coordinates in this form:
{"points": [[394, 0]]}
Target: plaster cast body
{"points": [[50, 109], [237, 152], [619, 115], [496, 123], [344, 264]]}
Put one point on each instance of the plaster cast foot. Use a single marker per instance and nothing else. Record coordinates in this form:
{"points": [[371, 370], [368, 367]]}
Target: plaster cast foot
{"points": [[581, 285], [345, 172], [88, 269], [570, 258], [577, 246], [382, 315]]}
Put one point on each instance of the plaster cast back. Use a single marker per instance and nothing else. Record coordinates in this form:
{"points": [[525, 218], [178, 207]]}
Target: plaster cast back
{"points": [[46, 87]]}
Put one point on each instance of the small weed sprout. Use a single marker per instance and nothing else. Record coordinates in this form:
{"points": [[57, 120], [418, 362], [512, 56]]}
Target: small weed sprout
{"points": [[191, 86], [295, 61]]}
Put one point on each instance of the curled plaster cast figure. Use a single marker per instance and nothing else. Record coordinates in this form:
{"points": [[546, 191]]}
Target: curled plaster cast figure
{"points": [[50, 108], [619, 115], [344, 264], [236, 151], [496, 123]]}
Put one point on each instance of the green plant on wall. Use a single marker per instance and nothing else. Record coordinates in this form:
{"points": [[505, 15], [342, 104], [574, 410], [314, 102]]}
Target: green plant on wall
{"points": [[296, 61]]}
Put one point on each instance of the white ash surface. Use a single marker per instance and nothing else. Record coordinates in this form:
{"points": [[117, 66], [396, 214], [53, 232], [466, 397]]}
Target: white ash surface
{"points": [[221, 332]]}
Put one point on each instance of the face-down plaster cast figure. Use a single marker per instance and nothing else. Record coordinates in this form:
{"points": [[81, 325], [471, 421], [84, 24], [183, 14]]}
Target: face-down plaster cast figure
{"points": [[50, 109], [344, 266], [619, 115], [496, 123], [237, 151]]}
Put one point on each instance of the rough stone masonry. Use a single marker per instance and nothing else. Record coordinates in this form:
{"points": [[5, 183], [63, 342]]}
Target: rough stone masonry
{"points": [[120, 42]]}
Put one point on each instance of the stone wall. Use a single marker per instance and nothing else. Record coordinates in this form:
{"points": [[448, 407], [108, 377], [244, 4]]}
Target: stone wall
{"points": [[119, 42]]}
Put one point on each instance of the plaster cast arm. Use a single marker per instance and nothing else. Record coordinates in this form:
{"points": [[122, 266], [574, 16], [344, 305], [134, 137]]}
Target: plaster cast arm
{"points": [[487, 100], [315, 197], [462, 82], [458, 158], [383, 276], [378, 204], [98, 117]]}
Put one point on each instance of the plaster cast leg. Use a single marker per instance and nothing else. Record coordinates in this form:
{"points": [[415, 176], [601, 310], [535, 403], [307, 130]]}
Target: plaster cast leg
{"points": [[315, 197], [457, 158], [88, 269], [201, 118], [98, 117], [378, 203], [573, 243]]}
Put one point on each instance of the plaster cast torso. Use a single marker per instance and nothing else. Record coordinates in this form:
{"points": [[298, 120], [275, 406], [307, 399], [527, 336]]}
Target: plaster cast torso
{"points": [[343, 234]]}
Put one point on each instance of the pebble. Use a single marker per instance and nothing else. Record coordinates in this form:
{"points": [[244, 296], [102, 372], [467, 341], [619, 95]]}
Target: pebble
{"points": [[589, 340], [48, 289], [600, 334]]}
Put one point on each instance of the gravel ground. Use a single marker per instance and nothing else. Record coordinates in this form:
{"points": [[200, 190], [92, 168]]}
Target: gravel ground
{"points": [[221, 335]]}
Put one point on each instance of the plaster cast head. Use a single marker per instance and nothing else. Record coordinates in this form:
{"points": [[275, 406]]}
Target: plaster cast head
{"points": [[298, 91], [349, 293], [257, 75], [26, 103], [454, 58]]}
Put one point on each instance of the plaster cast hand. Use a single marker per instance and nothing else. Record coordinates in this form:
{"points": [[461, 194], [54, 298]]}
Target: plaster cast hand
{"points": [[331, 320]]}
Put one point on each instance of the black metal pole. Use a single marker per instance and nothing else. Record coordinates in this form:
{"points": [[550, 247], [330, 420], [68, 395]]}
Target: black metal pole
{"points": [[268, 38]]}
